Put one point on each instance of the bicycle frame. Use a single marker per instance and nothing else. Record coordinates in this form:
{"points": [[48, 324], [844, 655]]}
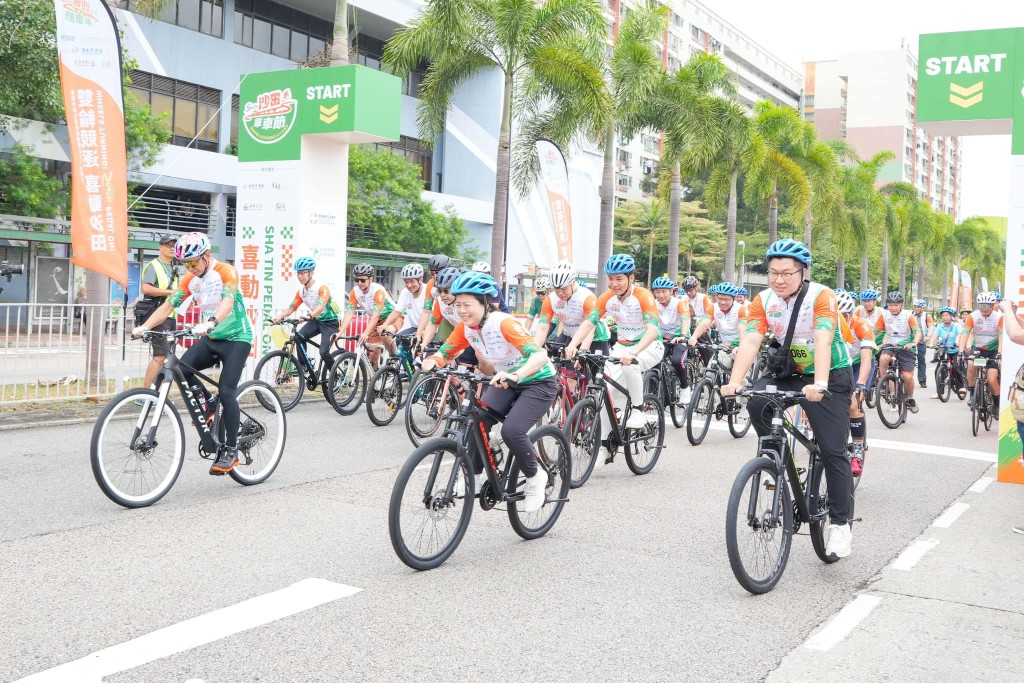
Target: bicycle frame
{"points": [[171, 375], [783, 434], [604, 384]]}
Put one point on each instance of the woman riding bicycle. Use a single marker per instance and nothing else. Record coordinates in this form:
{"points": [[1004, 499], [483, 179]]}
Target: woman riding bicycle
{"points": [[523, 385], [225, 334], [323, 316], [946, 334]]}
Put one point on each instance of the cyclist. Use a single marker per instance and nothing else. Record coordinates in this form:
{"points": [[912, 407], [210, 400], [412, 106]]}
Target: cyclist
{"points": [[822, 362], [523, 385], [437, 263], [225, 335], [444, 305], [947, 333], [569, 304], [405, 319], [499, 302], [741, 298], [725, 317], [899, 327], [924, 323], [984, 331], [371, 298], [639, 344], [964, 313], [700, 305], [323, 316], [540, 286], [860, 342], [674, 320]]}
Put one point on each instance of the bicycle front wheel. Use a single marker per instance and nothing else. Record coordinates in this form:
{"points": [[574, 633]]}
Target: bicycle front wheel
{"points": [[553, 457], [700, 411], [979, 398], [819, 510], [347, 382], [128, 471], [942, 383], [739, 420], [281, 371], [262, 431], [426, 519], [871, 398], [889, 405], [759, 532], [428, 406], [676, 408], [384, 396], [643, 446], [583, 431]]}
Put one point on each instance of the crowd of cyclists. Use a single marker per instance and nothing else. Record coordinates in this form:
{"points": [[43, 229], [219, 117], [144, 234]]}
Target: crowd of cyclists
{"points": [[798, 335]]}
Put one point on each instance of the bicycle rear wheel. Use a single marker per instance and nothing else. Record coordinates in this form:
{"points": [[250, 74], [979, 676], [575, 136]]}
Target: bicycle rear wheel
{"points": [[642, 455], [889, 404], [347, 383], [126, 472], [384, 396], [819, 509], [261, 433], [552, 456], [871, 398], [428, 407], [674, 391], [281, 371], [758, 536], [700, 411], [426, 520], [583, 431]]}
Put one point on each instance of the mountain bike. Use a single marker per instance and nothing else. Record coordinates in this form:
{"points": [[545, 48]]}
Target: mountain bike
{"points": [[583, 425], [432, 397], [432, 499], [350, 376], [772, 498], [663, 382], [138, 442], [946, 374], [384, 397], [892, 394], [290, 370], [571, 386], [982, 407], [706, 401]]}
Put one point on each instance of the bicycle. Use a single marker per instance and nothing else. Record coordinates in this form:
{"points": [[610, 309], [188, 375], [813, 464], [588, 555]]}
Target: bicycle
{"points": [[290, 374], [706, 401], [432, 398], [430, 510], [892, 395], [945, 374], [663, 382], [350, 376], [764, 510], [384, 396], [982, 407], [572, 383], [135, 468], [583, 425]]}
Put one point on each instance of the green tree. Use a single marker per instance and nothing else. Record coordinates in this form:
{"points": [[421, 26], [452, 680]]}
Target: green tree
{"points": [[786, 139], [640, 227], [27, 190], [386, 209], [550, 56]]}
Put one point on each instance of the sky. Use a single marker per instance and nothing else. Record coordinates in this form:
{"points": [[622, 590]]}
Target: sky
{"points": [[810, 30]]}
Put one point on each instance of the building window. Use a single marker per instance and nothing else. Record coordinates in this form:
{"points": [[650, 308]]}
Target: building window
{"points": [[191, 109], [280, 30], [623, 181], [415, 151], [696, 33], [650, 142], [204, 16]]}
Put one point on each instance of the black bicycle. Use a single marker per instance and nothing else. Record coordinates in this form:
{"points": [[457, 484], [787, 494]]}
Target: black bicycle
{"points": [[432, 499], [663, 382], [291, 371], [892, 394], [706, 401], [949, 372], [982, 405], [385, 393], [138, 442], [583, 424], [764, 512]]}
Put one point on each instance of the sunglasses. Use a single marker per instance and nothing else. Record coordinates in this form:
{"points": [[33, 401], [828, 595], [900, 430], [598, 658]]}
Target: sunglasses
{"points": [[443, 291], [192, 264], [362, 279]]}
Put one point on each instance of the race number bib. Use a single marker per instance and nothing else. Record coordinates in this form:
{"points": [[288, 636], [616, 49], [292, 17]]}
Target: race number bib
{"points": [[803, 354]]}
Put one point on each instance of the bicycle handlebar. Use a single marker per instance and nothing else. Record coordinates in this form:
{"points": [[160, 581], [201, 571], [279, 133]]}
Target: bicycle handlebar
{"points": [[464, 374], [787, 398]]}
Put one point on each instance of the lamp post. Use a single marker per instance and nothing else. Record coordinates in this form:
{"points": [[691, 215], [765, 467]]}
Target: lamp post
{"points": [[743, 257]]}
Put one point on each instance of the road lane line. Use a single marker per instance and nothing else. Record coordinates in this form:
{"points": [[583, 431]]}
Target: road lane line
{"points": [[206, 628], [843, 623], [909, 557], [952, 513], [982, 484]]}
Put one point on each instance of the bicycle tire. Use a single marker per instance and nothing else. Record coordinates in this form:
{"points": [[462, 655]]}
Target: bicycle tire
{"points": [[739, 422], [655, 413], [289, 383], [652, 381], [583, 432], [105, 425], [531, 525], [384, 396], [347, 383], [888, 400], [673, 392], [253, 397], [431, 500], [766, 475], [818, 504], [701, 409], [420, 429], [979, 396], [871, 397], [943, 387], [988, 419]]}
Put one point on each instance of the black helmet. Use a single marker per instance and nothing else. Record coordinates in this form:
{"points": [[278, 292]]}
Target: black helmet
{"points": [[363, 269], [894, 298], [690, 281], [447, 276], [438, 262]]}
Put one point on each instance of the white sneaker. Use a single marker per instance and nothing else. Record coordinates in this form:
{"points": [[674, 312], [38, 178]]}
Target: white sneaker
{"points": [[602, 456], [460, 487], [934, 396], [637, 420], [839, 538], [534, 490], [687, 392]]}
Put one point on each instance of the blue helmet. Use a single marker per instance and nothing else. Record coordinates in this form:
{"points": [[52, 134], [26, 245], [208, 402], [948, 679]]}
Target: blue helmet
{"points": [[743, 291], [787, 248], [620, 264], [728, 289], [947, 309], [304, 263], [713, 289], [869, 295], [840, 290], [999, 297], [663, 283], [475, 282], [921, 302]]}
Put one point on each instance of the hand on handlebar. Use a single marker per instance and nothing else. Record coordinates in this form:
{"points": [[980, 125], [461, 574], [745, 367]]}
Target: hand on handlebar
{"points": [[627, 359], [139, 331], [503, 379], [813, 393], [730, 389], [570, 352], [428, 365]]}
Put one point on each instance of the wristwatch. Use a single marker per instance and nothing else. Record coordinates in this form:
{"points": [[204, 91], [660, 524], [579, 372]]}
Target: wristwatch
{"points": [[212, 321], [822, 384]]}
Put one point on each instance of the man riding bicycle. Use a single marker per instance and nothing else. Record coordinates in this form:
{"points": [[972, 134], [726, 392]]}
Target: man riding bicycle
{"points": [[725, 317], [370, 298], [947, 335], [901, 330], [323, 316], [569, 304], [674, 322], [860, 341], [225, 335], [437, 263], [984, 331], [818, 360], [405, 319]]}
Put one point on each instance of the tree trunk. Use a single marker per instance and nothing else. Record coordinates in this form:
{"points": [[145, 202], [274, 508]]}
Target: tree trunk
{"points": [[607, 227], [689, 263], [945, 289], [650, 263], [97, 288], [841, 274], [501, 178], [339, 46], [730, 230], [863, 272], [903, 277], [920, 276], [675, 197], [807, 228], [773, 218]]}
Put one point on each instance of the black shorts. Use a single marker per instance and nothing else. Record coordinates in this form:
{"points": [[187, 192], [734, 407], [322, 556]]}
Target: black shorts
{"points": [[162, 346], [990, 354], [907, 359]]}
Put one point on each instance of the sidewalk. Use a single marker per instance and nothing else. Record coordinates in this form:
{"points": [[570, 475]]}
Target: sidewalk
{"points": [[41, 415], [950, 607]]}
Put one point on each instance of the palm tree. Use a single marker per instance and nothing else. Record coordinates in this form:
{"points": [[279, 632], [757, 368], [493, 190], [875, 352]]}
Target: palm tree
{"points": [[867, 210], [820, 164], [339, 57], [898, 199], [550, 56]]}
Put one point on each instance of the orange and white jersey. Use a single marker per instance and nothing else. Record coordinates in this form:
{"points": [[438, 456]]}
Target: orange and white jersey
{"points": [[502, 341], [631, 314], [443, 311], [728, 323]]}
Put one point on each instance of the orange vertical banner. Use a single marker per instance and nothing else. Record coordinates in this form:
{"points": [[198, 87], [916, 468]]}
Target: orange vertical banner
{"points": [[555, 175], [89, 51], [954, 291]]}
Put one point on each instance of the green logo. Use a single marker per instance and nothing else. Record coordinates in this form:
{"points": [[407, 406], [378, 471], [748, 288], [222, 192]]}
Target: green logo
{"points": [[271, 116], [248, 232], [288, 232]]}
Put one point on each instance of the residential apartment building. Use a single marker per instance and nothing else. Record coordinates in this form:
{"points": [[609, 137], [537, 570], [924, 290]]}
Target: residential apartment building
{"points": [[694, 28], [869, 99]]}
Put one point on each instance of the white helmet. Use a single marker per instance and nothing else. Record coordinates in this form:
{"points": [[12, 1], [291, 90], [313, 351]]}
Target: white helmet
{"points": [[563, 274], [412, 271], [846, 302], [986, 298], [482, 267], [542, 283]]}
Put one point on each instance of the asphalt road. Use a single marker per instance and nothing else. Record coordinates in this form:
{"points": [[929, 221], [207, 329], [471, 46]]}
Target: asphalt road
{"points": [[633, 582]]}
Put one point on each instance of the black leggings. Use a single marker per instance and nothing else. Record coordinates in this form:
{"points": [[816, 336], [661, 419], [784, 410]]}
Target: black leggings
{"points": [[830, 420], [678, 360], [312, 328], [205, 353], [522, 407]]}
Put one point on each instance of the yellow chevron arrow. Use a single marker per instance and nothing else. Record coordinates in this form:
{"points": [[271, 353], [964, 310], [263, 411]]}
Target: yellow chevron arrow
{"points": [[327, 111], [966, 91], [329, 119], [965, 103]]}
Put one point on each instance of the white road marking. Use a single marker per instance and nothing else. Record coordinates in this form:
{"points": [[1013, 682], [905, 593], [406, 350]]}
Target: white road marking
{"points": [[843, 623], [982, 484], [185, 635], [952, 513], [909, 557]]}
